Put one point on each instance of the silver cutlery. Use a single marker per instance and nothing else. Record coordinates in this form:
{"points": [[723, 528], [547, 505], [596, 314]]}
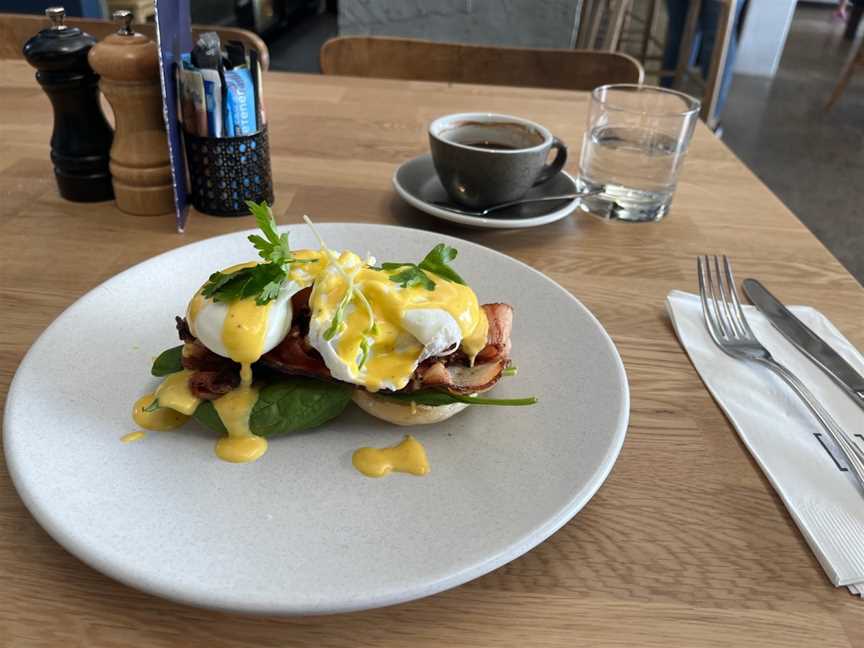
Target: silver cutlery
{"points": [[806, 341], [484, 212], [729, 329]]}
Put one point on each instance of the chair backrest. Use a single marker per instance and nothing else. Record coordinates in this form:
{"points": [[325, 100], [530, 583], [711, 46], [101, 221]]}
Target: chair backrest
{"points": [[722, 39], [601, 24], [725, 27], [410, 59], [16, 29]]}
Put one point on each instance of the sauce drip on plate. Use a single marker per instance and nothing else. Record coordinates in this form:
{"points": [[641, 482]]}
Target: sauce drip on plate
{"points": [[408, 457]]}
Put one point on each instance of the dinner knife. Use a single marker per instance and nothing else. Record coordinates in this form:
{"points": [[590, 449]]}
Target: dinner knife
{"points": [[806, 341]]}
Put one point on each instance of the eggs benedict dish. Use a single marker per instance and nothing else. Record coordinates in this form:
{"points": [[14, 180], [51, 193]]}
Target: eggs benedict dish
{"points": [[283, 344]]}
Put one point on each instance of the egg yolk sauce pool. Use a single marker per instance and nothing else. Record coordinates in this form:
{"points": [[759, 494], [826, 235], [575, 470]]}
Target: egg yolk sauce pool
{"points": [[409, 456]]}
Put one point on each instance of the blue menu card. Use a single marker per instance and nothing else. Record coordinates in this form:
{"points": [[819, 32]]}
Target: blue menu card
{"points": [[174, 36]]}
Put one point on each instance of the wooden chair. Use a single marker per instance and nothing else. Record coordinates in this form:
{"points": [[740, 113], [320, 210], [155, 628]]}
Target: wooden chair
{"points": [[15, 29], [856, 60], [422, 60], [648, 37], [601, 24], [725, 28]]}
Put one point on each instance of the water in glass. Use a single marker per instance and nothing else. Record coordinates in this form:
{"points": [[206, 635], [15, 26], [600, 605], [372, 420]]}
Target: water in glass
{"points": [[632, 157]]}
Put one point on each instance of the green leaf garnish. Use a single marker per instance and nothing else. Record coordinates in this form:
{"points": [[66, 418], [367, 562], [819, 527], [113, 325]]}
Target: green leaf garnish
{"points": [[152, 407], [435, 397], [437, 261], [412, 274], [262, 282], [275, 248], [169, 361], [265, 280], [510, 371]]}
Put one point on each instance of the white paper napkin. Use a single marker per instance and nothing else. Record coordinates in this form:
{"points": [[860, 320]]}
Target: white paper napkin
{"points": [[789, 445]]}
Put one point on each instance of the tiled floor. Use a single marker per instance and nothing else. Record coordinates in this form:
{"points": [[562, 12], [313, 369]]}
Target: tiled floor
{"points": [[813, 160]]}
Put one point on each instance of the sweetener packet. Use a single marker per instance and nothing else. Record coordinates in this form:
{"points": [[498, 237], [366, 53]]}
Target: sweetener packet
{"points": [[241, 101], [193, 106]]}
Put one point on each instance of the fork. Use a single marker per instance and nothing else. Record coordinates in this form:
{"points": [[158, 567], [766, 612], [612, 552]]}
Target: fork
{"points": [[729, 329]]}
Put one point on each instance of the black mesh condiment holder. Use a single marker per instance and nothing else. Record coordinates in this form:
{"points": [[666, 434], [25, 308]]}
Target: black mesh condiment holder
{"points": [[225, 172]]}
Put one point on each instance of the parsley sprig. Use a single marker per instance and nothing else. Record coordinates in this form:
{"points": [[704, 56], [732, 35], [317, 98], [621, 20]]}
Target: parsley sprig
{"points": [[414, 274], [265, 280]]}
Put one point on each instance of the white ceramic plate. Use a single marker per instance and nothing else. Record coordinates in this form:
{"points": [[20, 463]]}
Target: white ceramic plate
{"points": [[300, 531], [418, 185]]}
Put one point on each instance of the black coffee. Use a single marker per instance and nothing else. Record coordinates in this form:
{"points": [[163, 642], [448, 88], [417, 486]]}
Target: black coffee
{"points": [[495, 146]]}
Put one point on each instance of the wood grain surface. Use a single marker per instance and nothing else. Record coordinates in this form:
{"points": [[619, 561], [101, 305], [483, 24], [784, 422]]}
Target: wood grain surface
{"points": [[685, 545], [424, 60]]}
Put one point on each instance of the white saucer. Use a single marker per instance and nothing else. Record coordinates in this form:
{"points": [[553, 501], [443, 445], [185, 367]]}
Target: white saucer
{"points": [[418, 184]]}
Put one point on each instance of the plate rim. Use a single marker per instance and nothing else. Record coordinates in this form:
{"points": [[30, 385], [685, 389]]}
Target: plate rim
{"points": [[515, 549], [479, 221]]}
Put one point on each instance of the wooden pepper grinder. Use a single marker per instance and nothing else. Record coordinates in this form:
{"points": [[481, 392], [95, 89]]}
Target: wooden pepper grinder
{"points": [[128, 63], [81, 138]]}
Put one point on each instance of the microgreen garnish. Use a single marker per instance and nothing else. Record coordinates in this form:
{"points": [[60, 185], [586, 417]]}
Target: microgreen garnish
{"points": [[510, 371], [364, 352], [152, 407], [339, 314], [412, 274], [352, 291], [263, 281]]}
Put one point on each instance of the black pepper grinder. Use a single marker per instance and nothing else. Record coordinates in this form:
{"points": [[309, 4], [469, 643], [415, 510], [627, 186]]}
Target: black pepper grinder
{"points": [[81, 141]]}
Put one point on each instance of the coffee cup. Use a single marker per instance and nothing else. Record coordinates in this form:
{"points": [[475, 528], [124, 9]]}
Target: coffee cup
{"points": [[485, 159]]}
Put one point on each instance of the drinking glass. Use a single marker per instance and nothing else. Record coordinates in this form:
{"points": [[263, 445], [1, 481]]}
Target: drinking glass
{"points": [[633, 148]]}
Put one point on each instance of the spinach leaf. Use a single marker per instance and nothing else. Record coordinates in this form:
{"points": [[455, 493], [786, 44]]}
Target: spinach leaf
{"points": [[286, 406], [296, 404], [168, 362], [435, 398], [206, 414]]}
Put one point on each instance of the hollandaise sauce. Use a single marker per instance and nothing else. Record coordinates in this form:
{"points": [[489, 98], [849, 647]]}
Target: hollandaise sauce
{"points": [[176, 404], [234, 408], [408, 457], [133, 436], [388, 327], [243, 335]]}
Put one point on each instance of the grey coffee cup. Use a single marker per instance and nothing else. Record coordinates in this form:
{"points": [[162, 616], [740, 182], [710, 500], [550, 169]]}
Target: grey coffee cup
{"points": [[485, 159]]}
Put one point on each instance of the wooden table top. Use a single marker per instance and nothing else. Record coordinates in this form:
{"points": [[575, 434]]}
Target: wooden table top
{"points": [[685, 544]]}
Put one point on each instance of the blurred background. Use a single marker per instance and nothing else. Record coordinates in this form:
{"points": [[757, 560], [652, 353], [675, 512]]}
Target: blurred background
{"points": [[766, 68]]}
